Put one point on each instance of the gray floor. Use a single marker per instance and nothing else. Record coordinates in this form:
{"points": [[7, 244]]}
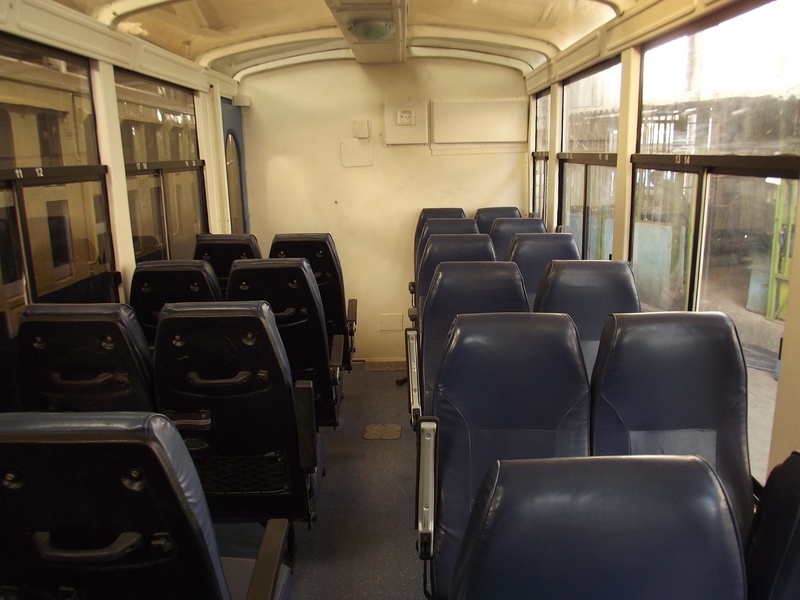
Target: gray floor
{"points": [[362, 543]]}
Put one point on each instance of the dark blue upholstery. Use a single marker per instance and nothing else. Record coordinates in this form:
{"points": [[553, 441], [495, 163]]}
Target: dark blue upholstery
{"points": [[772, 552], [510, 385], [503, 230], [77, 482], [157, 282], [588, 291], [320, 251], [436, 213], [83, 357], [435, 226], [223, 376], [460, 288], [221, 249], [532, 252], [627, 528], [289, 286], [675, 383], [450, 247], [485, 216]]}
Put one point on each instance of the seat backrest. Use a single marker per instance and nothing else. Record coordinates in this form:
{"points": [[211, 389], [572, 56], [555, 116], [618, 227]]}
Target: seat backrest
{"points": [[504, 229], [485, 216], [157, 282], [221, 249], [102, 505], [496, 399], [450, 247], [83, 357], [288, 285], [222, 371], [435, 212], [588, 291], [436, 226], [319, 250], [626, 528], [675, 383], [772, 552], [532, 252], [460, 288]]}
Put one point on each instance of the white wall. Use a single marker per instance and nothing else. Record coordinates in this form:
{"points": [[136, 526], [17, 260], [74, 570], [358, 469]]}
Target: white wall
{"points": [[296, 182]]}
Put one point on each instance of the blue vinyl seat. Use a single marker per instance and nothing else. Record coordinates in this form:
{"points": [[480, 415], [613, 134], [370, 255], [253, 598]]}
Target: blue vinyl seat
{"points": [[221, 249], [158, 282], [320, 251], [222, 376], [435, 213], [289, 286], [485, 216], [626, 528], [533, 251], [109, 505], [434, 226], [588, 291], [675, 383], [83, 357], [510, 386], [772, 551], [504, 229]]}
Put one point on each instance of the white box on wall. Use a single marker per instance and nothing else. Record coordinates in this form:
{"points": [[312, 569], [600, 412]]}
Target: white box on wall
{"points": [[405, 122], [480, 121]]}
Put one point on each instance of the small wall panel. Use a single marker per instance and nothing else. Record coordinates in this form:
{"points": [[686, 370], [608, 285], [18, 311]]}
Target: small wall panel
{"points": [[484, 121]]}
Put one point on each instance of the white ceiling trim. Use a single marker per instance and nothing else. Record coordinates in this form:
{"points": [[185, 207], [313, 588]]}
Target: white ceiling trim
{"points": [[112, 12]]}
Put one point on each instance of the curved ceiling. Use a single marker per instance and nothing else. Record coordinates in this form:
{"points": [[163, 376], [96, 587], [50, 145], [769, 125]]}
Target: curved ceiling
{"points": [[236, 35]]}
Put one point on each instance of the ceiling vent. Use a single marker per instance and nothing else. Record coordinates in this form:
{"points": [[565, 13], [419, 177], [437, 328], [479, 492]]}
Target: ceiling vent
{"points": [[374, 29]]}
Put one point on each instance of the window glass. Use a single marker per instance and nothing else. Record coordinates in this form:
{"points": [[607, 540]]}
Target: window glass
{"points": [[543, 122], [600, 201], [234, 172], [147, 219], [709, 93], [181, 198], [591, 111], [12, 272], [540, 188], [573, 194]]}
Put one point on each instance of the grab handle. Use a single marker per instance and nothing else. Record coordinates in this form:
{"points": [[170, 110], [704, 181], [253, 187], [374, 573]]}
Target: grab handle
{"points": [[126, 542]]}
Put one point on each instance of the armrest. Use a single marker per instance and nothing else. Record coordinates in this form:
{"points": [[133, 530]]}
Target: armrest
{"points": [[427, 450], [412, 364], [272, 554], [352, 316], [336, 358], [306, 424]]}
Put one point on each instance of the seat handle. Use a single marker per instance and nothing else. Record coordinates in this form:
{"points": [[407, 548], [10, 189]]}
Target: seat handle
{"points": [[240, 378], [126, 542], [101, 379]]}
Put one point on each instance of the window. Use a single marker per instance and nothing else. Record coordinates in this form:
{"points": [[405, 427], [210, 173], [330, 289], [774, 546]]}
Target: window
{"points": [[540, 156]]}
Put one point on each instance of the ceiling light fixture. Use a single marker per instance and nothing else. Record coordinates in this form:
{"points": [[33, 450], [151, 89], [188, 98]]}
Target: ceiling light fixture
{"points": [[371, 30]]}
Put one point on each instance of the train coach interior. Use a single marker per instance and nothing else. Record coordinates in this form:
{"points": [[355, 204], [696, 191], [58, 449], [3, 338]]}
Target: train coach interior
{"points": [[658, 136]]}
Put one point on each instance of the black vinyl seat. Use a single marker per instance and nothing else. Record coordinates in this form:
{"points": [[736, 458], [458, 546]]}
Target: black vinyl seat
{"points": [[504, 230], [83, 357], [288, 284], [485, 216], [626, 528], [109, 505], [675, 383], [434, 226], [158, 282], [497, 397], [223, 377], [320, 251], [221, 249], [588, 291], [532, 252], [772, 551]]}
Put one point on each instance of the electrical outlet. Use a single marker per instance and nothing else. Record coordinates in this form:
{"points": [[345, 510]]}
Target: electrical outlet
{"points": [[406, 117]]}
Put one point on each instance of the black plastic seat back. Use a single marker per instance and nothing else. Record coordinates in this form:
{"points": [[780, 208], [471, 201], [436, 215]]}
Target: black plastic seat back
{"points": [[99, 505], [626, 528], [289, 286], [485, 217], [504, 229], [496, 398], [772, 552], [157, 282], [222, 375], [319, 250], [428, 213], [588, 291], [461, 288], [435, 226], [83, 357], [221, 249], [675, 383], [533, 251]]}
